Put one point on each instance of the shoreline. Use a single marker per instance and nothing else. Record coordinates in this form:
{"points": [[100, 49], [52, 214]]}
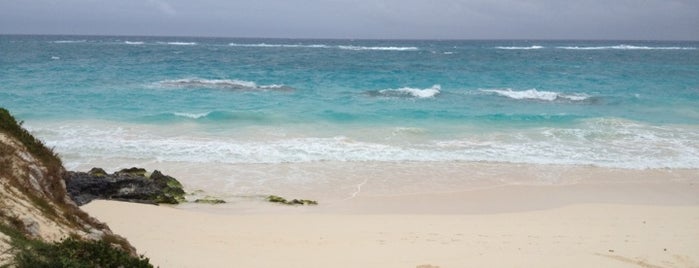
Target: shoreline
{"points": [[337, 182]]}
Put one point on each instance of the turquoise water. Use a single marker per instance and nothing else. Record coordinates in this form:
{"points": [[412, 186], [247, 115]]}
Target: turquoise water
{"points": [[627, 104]]}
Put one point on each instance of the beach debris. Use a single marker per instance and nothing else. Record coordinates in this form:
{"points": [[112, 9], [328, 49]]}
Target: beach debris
{"points": [[132, 184], [282, 200]]}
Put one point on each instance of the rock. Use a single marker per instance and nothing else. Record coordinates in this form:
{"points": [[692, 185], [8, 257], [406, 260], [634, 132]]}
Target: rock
{"points": [[126, 185], [208, 200], [276, 199], [139, 172], [282, 200], [95, 171]]}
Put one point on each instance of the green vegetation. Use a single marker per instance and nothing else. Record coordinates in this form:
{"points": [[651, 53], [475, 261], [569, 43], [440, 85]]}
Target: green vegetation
{"points": [[71, 252], [282, 200], [51, 195], [173, 192], [9, 125], [209, 200], [138, 172], [98, 172]]}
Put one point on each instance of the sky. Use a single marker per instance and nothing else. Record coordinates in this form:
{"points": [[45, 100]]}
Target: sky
{"points": [[374, 19]]}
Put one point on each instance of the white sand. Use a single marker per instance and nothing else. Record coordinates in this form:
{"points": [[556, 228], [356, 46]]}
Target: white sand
{"points": [[585, 235], [412, 214]]}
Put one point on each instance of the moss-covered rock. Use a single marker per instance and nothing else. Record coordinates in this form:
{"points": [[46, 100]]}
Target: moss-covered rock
{"points": [[282, 200], [209, 200], [126, 184], [171, 188], [95, 171], [134, 171]]}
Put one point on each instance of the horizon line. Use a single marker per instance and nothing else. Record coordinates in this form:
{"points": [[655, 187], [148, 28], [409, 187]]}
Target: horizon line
{"points": [[350, 38]]}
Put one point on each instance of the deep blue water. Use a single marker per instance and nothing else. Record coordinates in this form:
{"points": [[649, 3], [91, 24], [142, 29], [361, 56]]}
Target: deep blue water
{"points": [[632, 104]]}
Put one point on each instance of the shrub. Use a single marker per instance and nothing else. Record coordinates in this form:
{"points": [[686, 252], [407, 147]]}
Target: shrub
{"points": [[72, 252]]}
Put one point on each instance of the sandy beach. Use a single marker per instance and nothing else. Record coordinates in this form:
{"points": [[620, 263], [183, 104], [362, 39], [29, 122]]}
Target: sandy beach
{"points": [[622, 224]]}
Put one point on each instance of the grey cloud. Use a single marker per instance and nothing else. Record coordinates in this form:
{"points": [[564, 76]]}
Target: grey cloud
{"points": [[454, 19]]}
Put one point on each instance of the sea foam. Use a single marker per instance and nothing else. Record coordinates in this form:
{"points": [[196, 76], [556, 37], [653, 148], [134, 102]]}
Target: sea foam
{"points": [[279, 45], [179, 43], [624, 47], [533, 94], [233, 84], [378, 48], [68, 41], [520, 48], [409, 92], [133, 42], [608, 142], [344, 47], [191, 115]]}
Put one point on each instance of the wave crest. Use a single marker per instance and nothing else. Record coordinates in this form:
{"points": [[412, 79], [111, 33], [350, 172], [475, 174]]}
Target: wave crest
{"points": [[378, 48], [232, 84], [279, 45], [68, 41], [520, 48], [408, 92], [533, 94], [179, 43], [624, 47], [344, 47]]}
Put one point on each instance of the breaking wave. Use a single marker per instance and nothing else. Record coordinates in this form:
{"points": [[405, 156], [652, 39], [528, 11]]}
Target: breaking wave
{"points": [[533, 94], [179, 43], [607, 142], [379, 48], [232, 84], [279, 45], [624, 47], [521, 48], [408, 92], [68, 41], [344, 47]]}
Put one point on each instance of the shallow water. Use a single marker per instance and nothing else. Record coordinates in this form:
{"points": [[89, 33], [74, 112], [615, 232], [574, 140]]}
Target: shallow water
{"points": [[123, 101]]}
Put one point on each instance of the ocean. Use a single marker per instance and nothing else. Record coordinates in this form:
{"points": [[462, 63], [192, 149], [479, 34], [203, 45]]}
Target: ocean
{"points": [[264, 114]]}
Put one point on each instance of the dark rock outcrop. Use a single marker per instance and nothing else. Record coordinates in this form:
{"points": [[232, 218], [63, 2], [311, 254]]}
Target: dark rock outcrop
{"points": [[131, 184]]}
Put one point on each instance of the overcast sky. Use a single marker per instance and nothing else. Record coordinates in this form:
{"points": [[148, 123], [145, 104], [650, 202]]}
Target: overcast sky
{"points": [[409, 19]]}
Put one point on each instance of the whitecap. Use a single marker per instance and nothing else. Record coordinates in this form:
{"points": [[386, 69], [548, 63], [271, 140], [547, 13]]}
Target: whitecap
{"points": [[55, 58], [68, 41], [521, 48], [378, 48], [279, 45], [191, 115], [410, 92], [624, 47], [234, 84], [533, 94], [179, 43], [133, 43]]}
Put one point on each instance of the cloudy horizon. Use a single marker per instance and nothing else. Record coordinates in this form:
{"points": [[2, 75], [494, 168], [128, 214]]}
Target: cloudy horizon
{"points": [[359, 19]]}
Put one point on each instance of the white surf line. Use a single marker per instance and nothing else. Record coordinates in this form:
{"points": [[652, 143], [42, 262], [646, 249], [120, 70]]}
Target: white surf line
{"points": [[359, 189]]}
